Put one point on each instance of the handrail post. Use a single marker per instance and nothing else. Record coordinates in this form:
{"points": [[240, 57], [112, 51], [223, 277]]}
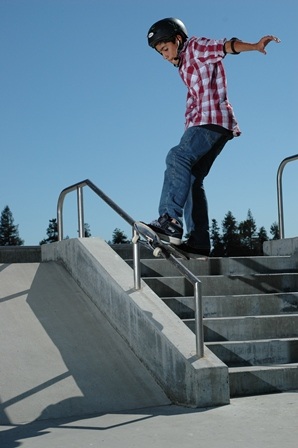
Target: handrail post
{"points": [[279, 194], [60, 214], [80, 211], [280, 207], [198, 301], [136, 262], [199, 330], [60, 220]]}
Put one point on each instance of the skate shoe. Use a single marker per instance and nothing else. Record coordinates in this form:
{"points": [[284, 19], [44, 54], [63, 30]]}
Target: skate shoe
{"points": [[167, 229]]}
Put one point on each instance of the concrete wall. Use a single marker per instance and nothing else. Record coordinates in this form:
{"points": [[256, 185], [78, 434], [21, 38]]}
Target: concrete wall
{"points": [[155, 334], [20, 254], [285, 246]]}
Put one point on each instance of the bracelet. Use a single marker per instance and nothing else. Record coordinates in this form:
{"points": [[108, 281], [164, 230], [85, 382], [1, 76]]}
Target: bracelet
{"points": [[233, 40]]}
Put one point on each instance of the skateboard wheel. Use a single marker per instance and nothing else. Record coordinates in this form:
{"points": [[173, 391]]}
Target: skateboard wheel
{"points": [[135, 239], [157, 252]]}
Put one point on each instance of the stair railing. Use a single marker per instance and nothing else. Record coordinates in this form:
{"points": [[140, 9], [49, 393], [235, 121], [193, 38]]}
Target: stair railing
{"points": [[199, 333], [279, 194]]}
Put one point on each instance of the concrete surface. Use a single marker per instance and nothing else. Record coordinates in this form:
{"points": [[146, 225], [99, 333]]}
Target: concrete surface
{"points": [[20, 254], [285, 246], [59, 356], [156, 335], [267, 421]]}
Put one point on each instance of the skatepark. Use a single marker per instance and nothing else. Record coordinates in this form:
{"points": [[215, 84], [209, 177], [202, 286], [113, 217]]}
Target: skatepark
{"points": [[91, 356], [68, 377]]}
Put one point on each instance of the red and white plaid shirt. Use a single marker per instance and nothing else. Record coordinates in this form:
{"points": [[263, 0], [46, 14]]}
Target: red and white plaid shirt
{"points": [[202, 70]]}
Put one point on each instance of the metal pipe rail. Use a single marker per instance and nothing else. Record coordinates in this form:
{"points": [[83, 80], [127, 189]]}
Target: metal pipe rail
{"points": [[199, 334], [279, 194], [197, 284]]}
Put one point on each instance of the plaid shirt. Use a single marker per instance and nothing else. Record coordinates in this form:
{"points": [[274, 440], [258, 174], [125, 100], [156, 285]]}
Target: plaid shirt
{"points": [[202, 70]]}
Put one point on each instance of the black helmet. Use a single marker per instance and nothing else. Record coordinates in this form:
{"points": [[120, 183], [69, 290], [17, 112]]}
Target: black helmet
{"points": [[164, 30]]}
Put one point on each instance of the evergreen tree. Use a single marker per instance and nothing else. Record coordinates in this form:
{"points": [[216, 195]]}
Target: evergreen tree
{"points": [[217, 243], [87, 230], [119, 237], [248, 235], [262, 237], [52, 232], [274, 230], [9, 233], [239, 240], [230, 236]]}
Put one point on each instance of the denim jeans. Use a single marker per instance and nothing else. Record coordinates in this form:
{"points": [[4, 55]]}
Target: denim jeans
{"points": [[183, 194]]}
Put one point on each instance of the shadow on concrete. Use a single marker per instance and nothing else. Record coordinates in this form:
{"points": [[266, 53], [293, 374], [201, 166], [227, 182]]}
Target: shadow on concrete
{"points": [[12, 437], [70, 361]]}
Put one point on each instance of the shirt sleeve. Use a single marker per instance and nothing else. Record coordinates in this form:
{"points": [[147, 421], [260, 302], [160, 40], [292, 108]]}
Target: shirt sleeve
{"points": [[207, 50]]}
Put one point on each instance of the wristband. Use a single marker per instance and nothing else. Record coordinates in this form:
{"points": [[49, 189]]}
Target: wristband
{"points": [[233, 40]]}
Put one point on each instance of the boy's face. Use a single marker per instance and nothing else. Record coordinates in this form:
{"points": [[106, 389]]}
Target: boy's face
{"points": [[169, 51]]}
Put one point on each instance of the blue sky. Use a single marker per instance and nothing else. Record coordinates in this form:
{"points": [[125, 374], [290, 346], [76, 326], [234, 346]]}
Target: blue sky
{"points": [[83, 96]]}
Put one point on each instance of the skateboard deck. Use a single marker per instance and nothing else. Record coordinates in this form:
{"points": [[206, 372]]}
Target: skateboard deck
{"points": [[152, 240]]}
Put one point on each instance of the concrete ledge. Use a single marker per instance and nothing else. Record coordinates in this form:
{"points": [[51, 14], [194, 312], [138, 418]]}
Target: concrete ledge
{"points": [[20, 254], [155, 334], [286, 246]]}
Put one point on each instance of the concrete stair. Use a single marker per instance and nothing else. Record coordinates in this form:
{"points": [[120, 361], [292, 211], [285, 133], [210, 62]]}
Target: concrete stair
{"points": [[250, 308]]}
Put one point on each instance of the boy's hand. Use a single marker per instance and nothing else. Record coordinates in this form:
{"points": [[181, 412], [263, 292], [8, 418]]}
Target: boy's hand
{"points": [[264, 41]]}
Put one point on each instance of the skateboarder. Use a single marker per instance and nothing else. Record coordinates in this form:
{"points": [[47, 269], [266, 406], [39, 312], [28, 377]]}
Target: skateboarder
{"points": [[209, 123]]}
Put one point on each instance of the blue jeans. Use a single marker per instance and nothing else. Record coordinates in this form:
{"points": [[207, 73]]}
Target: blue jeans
{"points": [[183, 191]]}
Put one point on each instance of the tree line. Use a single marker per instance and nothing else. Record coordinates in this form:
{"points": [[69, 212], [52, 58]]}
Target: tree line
{"points": [[232, 239], [239, 239]]}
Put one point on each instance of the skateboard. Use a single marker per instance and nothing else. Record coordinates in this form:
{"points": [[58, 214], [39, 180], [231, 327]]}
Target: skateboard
{"points": [[151, 239]]}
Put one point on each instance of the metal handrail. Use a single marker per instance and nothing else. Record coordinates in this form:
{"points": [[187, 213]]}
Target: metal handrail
{"points": [[279, 194], [199, 334]]}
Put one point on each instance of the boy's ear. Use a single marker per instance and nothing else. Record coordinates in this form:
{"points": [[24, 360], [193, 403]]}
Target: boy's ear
{"points": [[179, 38]]}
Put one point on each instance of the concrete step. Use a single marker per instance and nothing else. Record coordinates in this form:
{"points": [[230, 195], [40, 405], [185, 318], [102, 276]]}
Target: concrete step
{"points": [[151, 267], [250, 308], [261, 352], [218, 285], [236, 305], [258, 380], [248, 328]]}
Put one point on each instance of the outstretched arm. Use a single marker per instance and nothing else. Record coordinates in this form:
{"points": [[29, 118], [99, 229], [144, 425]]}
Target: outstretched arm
{"points": [[235, 46]]}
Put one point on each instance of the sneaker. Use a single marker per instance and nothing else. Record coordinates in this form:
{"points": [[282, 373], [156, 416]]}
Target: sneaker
{"points": [[167, 229], [191, 251]]}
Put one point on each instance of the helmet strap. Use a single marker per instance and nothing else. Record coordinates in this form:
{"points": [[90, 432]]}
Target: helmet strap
{"points": [[179, 48]]}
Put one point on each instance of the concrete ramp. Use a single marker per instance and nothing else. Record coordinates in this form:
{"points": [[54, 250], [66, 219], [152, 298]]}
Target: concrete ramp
{"points": [[59, 355], [157, 336]]}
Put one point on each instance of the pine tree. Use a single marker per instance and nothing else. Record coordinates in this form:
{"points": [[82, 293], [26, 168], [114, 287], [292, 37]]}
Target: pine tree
{"points": [[247, 234], [9, 233], [52, 232], [119, 237], [239, 240], [87, 231], [262, 237], [230, 235], [274, 230], [217, 243]]}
